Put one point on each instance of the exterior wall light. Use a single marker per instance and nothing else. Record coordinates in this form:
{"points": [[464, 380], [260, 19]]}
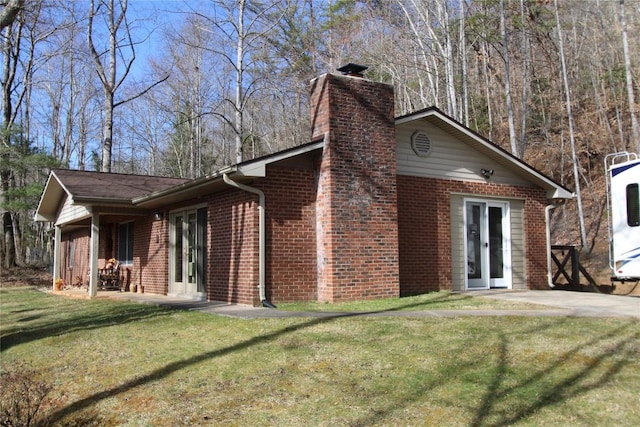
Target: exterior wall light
{"points": [[486, 173]]}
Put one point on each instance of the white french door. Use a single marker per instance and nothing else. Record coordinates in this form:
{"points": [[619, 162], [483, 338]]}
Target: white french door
{"points": [[487, 244], [187, 249]]}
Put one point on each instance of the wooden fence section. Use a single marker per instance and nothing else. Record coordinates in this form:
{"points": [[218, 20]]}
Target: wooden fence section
{"points": [[569, 272]]}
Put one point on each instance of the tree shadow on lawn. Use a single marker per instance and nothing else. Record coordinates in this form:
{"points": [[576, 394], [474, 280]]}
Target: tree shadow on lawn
{"points": [[89, 315], [422, 305], [561, 387], [565, 385]]}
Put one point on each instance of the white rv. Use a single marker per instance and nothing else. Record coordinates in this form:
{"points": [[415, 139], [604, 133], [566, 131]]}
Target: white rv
{"points": [[623, 201]]}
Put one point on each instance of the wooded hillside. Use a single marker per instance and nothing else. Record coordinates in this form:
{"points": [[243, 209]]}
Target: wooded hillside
{"points": [[182, 88]]}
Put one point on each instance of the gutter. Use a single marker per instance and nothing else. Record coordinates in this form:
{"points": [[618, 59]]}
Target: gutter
{"points": [[262, 232]]}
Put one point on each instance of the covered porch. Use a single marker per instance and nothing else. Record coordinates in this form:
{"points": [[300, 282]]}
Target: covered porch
{"points": [[94, 220]]}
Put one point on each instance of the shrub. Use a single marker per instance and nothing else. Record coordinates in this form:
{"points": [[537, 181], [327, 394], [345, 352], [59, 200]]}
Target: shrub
{"points": [[22, 397]]}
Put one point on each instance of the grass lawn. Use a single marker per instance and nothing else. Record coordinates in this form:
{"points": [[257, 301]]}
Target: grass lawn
{"points": [[430, 301], [116, 363]]}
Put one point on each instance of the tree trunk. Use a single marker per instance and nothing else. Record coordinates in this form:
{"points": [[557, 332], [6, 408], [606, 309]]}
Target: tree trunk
{"points": [[107, 131], [507, 83], [463, 65], [635, 128], [239, 70], [525, 82], [7, 250], [574, 156]]}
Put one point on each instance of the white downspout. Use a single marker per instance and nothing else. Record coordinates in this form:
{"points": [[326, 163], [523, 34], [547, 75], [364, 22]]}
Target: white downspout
{"points": [[547, 211], [261, 239]]}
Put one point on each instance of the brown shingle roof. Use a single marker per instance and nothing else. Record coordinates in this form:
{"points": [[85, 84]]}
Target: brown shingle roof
{"points": [[100, 185]]}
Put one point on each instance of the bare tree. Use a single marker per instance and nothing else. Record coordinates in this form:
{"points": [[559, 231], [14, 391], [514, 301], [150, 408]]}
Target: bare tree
{"points": [[106, 63], [245, 26], [9, 12], [20, 40], [434, 37], [574, 157], [507, 81], [635, 128], [191, 97]]}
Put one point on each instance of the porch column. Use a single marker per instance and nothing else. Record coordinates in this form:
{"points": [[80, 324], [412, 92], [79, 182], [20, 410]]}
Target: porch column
{"points": [[56, 254], [93, 254]]}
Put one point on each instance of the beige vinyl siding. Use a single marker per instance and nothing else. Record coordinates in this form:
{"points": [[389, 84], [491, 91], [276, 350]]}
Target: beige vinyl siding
{"points": [[71, 212], [518, 252], [458, 257], [449, 158]]}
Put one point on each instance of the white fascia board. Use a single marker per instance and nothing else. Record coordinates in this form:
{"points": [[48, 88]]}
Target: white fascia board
{"points": [[257, 170], [50, 194], [560, 193]]}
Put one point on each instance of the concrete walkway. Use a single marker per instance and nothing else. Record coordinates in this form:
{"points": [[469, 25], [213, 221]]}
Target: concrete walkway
{"points": [[582, 304], [556, 303]]}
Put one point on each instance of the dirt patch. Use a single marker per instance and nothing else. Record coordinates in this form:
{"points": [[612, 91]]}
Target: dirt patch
{"points": [[25, 276]]}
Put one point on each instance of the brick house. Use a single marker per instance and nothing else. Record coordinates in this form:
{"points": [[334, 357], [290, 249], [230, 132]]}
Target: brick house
{"points": [[372, 206]]}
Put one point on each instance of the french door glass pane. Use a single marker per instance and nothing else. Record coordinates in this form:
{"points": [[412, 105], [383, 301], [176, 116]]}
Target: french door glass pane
{"points": [[191, 237], [496, 252], [177, 238], [474, 248]]}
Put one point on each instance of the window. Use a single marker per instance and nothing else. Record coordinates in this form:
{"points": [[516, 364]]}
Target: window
{"points": [[633, 205], [125, 243]]}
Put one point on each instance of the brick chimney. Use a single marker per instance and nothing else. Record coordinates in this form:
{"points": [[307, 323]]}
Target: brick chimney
{"points": [[356, 209]]}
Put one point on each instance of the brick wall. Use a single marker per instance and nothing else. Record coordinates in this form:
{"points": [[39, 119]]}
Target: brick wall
{"points": [[357, 246], [291, 240], [150, 255], [536, 239], [424, 227], [232, 238]]}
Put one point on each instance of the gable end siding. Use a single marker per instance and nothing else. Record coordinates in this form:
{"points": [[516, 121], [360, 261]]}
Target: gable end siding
{"points": [[70, 212], [449, 158]]}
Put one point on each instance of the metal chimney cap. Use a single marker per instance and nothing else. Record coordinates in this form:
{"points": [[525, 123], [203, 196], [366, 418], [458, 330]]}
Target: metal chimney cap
{"points": [[352, 69]]}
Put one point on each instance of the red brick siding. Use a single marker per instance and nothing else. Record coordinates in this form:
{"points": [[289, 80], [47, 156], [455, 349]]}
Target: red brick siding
{"points": [[424, 227], [356, 204], [150, 255], [232, 238], [536, 240], [291, 273]]}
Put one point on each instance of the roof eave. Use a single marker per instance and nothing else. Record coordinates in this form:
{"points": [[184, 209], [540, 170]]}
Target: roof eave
{"points": [[181, 188], [560, 194], [256, 168], [102, 201], [53, 189]]}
